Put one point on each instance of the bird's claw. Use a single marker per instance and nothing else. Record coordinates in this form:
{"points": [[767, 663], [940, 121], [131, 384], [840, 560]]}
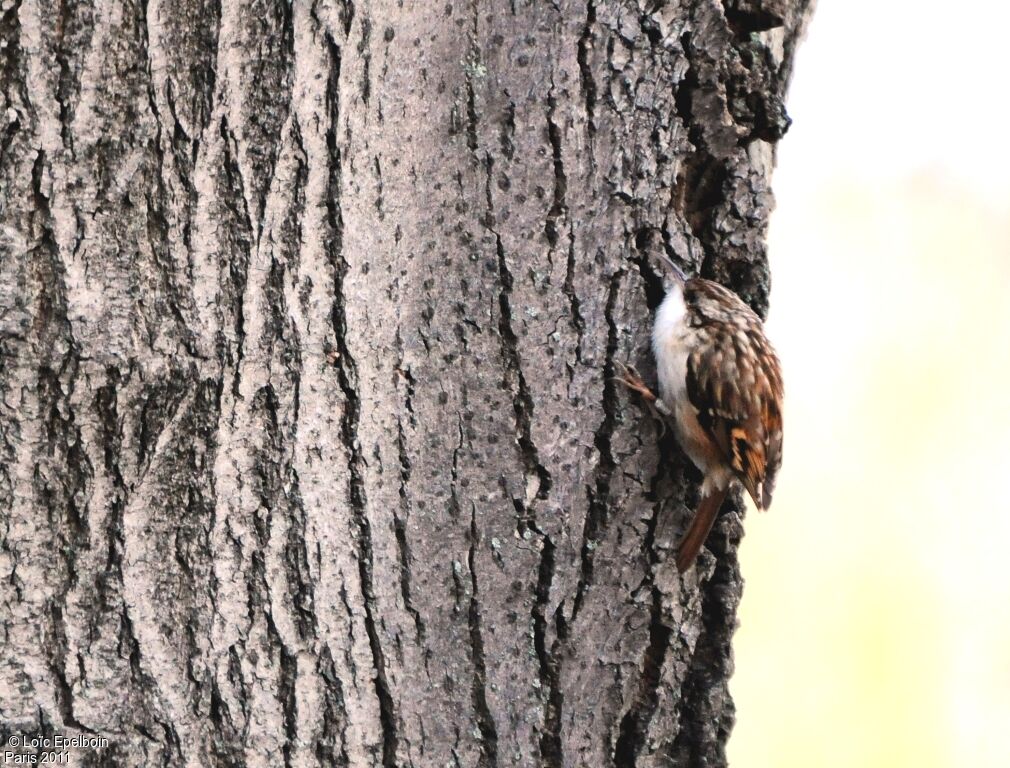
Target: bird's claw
{"points": [[630, 378]]}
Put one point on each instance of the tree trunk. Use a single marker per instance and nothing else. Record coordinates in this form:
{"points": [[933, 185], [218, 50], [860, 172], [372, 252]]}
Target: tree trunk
{"points": [[311, 450]]}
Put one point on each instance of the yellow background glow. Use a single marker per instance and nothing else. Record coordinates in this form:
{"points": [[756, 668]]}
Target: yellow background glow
{"points": [[875, 624]]}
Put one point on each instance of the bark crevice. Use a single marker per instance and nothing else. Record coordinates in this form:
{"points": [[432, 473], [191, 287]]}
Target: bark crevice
{"points": [[485, 720], [522, 399], [598, 493]]}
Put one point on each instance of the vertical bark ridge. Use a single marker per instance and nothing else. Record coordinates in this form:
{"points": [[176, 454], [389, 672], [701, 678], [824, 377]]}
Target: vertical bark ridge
{"points": [[349, 383]]}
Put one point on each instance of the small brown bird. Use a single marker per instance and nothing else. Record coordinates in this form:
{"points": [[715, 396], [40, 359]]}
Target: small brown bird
{"points": [[721, 385]]}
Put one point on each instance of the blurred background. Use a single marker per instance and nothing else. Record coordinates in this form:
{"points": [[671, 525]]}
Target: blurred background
{"points": [[875, 624]]}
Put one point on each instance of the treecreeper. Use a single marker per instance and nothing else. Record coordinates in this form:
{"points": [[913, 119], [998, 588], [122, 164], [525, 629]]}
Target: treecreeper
{"points": [[720, 385]]}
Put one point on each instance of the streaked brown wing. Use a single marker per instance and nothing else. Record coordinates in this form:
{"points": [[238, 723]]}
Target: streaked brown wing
{"points": [[734, 382]]}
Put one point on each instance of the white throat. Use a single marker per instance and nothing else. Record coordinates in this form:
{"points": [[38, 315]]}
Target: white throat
{"points": [[669, 317], [669, 346]]}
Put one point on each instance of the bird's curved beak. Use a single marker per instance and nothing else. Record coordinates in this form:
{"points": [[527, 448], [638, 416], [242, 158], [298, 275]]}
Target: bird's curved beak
{"points": [[678, 273]]}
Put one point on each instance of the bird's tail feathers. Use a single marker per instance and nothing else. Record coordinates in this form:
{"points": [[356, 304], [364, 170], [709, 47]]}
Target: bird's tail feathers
{"points": [[700, 527]]}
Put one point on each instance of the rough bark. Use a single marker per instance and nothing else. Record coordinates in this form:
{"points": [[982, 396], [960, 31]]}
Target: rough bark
{"points": [[310, 452]]}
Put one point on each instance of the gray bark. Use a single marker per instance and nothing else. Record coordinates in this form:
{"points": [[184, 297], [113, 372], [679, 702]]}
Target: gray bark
{"points": [[310, 451]]}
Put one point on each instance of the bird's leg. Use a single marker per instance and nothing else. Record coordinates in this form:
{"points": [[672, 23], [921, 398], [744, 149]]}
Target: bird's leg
{"points": [[629, 377]]}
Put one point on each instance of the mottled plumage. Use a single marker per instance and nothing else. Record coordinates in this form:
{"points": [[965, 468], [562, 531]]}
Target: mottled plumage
{"points": [[735, 384], [721, 384]]}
